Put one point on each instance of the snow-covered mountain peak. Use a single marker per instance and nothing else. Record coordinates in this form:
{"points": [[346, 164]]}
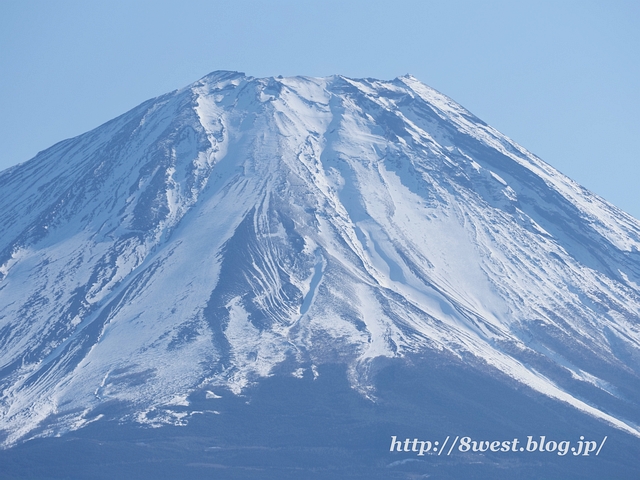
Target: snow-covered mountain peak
{"points": [[244, 226]]}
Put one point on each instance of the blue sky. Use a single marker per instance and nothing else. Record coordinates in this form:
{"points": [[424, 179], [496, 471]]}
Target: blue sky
{"points": [[559, 77]]}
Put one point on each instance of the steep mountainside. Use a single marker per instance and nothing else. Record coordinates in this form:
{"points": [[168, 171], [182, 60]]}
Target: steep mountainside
{"points": [[241, 228]]}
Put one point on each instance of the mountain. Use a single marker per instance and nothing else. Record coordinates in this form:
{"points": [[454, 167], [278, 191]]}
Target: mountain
{"points": [[312, 264]]}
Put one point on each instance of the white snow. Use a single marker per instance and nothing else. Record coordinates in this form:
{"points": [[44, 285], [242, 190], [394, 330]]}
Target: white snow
{"points": [[394, 236]]}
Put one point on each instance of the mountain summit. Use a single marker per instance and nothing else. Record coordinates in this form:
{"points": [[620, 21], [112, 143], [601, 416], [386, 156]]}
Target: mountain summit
{"points": [[243, 230]]}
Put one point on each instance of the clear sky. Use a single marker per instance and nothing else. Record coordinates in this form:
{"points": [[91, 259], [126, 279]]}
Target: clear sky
{"points": [[561, 77]]}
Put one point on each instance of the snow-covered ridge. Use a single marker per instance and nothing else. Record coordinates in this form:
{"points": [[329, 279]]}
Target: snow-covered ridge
{"points": [[216, 232]]}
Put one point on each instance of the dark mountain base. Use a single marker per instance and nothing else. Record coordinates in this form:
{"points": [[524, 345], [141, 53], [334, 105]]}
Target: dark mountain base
{"points": [[289, 428]]}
